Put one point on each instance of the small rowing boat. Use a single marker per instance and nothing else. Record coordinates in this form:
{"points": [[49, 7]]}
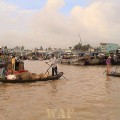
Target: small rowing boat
{"points": [[56, 77], [115, 74]]}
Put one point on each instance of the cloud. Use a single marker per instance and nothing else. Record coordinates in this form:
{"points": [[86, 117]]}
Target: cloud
{"points": [[14, 24], [50, 27], [97, 22], [7, 7], [54, 4]]}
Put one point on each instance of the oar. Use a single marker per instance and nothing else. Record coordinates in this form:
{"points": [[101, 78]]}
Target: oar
{"points": [[48, 69], [104, 71], [57, 71]]}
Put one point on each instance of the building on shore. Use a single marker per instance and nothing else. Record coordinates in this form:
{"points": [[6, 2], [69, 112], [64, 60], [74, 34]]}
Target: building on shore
{"points": [[107, 47]]}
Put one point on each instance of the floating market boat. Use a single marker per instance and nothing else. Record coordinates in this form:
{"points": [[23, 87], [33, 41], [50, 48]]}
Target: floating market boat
{"points": [[115, 74], [56, 77]]}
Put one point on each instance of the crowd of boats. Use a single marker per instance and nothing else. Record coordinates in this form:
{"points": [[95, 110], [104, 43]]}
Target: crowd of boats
{"points": [[94, 58], [83, 58], [89, 59], [65, 57]]}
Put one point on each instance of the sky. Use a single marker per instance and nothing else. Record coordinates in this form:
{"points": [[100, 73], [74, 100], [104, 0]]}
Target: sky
{"points": [[58, 23]]}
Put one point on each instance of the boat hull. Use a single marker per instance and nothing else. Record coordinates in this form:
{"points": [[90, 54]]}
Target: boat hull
{"points": [[115, 74], [56, 77]]}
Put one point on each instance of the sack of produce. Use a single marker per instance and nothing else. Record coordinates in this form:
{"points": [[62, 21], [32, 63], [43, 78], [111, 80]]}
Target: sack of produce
{"points": [[34, 76], [11, 77], [42, 75], [17, 76], [25, 76]]}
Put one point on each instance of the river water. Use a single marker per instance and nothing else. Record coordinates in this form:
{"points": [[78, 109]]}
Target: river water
{"points": [[88, 94]]}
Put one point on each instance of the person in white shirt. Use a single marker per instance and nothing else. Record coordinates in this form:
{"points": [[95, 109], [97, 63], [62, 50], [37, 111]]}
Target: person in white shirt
{"points": [[53, 61]]}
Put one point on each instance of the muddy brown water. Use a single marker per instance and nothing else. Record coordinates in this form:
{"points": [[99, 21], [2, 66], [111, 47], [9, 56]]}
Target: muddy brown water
{"points": [[90, 94]]}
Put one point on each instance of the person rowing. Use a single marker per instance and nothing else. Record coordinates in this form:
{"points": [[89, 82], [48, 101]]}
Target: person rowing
{"points": [[53, 61], [108, 63]]}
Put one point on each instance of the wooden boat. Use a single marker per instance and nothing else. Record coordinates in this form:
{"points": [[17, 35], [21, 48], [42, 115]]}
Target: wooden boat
{"points": [[56, 77], [115, 74], [94, 61]]}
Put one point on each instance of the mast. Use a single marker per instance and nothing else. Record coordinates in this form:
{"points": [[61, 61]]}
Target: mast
{"points": [[80, 41]]}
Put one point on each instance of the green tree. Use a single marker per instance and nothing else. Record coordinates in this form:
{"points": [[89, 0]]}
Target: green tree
{"points": [[70, 47], [78, 47], [22, 48], [82, 47], [49, 48], [41, 48]]}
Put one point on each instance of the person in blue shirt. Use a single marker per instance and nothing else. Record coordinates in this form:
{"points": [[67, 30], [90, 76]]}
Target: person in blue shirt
{"points": [[3, 72]]}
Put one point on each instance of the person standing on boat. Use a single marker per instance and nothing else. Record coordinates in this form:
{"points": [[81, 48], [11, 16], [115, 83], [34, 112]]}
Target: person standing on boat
{"points": [[3, 71], [13, 63], [108, 63], [53, 61]]}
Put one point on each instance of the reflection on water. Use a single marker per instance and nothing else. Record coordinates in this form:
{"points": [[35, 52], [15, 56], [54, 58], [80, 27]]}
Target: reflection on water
{"points": [[92, 95]]}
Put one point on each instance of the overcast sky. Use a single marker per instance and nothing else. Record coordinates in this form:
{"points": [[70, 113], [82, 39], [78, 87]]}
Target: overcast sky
{"points": [[58, 23]]}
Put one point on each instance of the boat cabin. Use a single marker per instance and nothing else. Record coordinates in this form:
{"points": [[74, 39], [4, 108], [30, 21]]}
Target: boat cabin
{"points": [[19, 65]]}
